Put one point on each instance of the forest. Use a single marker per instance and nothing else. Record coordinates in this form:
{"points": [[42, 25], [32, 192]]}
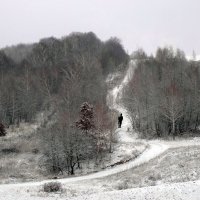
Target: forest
{"points": [[163, 96], [67, 78]]}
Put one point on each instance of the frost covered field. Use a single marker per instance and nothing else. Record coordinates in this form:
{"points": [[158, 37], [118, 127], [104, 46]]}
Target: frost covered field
{"points": [[177, 191], [154, 174]]}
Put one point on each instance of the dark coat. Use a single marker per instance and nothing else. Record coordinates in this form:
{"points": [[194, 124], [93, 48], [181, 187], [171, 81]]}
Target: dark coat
{"points": [[120, 118]]}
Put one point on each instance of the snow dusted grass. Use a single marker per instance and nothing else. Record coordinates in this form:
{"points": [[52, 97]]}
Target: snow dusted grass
{"points": [[178, 191], [15, 131], [180, 164], [121, 153], [19, 159], [176, 164], [20, 153], [162, 162]]}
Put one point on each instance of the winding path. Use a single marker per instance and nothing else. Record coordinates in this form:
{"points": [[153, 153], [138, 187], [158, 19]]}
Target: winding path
{"points": [[156, 148]]}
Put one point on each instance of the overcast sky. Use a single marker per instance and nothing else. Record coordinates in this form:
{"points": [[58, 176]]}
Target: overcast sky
{"points": [[143, 24]]}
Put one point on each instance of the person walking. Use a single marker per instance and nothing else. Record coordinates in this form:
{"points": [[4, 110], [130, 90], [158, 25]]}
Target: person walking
{"points": [[120, 119]]}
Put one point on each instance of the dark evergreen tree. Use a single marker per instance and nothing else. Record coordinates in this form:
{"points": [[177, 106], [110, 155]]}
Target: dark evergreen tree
{"points": [[86, 121]]}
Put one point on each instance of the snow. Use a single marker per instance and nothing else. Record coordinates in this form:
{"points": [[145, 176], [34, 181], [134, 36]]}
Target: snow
{"points": [[177, 191], [116, 95], [190, 190], [123, 136], [25, 128], [191, 58]]}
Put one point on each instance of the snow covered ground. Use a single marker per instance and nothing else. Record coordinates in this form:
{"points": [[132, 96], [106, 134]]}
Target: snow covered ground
{"points": [[176, 191], [91, 187], [20, 152]]}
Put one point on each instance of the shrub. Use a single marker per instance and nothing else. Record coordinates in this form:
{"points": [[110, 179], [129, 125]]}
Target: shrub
{"points": [[2, 130], [122, 185], [52, 187], [10, 150], [35, 151]]}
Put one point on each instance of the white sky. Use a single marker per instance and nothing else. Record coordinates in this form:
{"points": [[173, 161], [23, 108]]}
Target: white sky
{"points": [[143, 24]]}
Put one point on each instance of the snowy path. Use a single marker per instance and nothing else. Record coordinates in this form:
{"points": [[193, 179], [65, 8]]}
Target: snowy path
{"points": [[29, 191], [123, 136]]}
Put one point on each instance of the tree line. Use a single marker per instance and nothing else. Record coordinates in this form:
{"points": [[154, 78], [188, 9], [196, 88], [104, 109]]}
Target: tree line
{"points": [[60, 75], [163, 95], [33, 76]]}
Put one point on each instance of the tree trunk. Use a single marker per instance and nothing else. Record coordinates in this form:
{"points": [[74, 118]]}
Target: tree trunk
{"points": [[173, 129]]}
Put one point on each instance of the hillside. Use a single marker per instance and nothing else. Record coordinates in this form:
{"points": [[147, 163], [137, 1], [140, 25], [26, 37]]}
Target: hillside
{"points": [[160, 167], [54, 86]]}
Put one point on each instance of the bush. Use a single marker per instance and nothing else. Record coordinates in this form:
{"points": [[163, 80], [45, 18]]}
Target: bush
{"points": [[2, 130], [35, 151], [52, 187], [10, 150], [122, 185]]}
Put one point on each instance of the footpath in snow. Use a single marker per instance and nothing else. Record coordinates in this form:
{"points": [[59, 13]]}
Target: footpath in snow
{"points": [[29, 191]]}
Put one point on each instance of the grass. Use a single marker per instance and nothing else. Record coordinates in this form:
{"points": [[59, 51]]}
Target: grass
{"points": [[19, 158], [177, 165]]}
